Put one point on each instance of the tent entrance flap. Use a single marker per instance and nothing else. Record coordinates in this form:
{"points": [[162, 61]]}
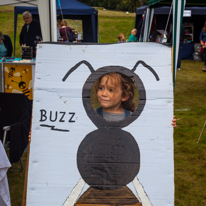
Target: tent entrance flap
{"points": [[44, 16]]}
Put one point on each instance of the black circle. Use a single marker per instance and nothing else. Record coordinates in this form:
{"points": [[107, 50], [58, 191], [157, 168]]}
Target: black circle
{"points": [[96, 119], [108, 158], [22, 85]]}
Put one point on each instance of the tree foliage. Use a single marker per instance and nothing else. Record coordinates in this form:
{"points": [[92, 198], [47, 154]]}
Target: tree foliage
{"points": [[125, 5]]}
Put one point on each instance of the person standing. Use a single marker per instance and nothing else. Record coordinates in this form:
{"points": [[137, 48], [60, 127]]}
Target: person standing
{"points": [[133, 36], [59, 21], [63, 31], [31, 32], [203, 43]]}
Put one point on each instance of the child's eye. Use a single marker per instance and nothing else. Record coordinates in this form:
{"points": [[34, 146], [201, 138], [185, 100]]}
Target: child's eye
{"points": [[100, 88], [111, 90]]}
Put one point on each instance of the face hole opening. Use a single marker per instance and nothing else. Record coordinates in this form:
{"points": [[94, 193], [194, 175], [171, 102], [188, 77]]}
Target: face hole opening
{"points": [[114, 92]]}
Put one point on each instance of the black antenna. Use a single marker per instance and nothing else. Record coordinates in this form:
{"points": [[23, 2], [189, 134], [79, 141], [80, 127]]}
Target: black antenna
{"points": [[14, 81], [148, 67], [76, 66]]}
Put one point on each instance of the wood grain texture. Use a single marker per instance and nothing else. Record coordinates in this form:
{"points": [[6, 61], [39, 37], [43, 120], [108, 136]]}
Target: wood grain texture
{"points": [[122, 196]]}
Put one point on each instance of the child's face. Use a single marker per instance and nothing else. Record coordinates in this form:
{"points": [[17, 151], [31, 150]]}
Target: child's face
{"points": [[134, 32], [122, 38], [59, 21], [110, 95]]}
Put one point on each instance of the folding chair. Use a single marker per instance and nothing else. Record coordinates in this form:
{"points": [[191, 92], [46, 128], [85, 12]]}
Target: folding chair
{"points": [[6, 146], [15, 118]]}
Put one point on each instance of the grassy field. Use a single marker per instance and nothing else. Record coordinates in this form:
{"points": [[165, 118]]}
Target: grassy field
{"points": [[109, 28], [114, 14], [189, 105], [190, 156]]}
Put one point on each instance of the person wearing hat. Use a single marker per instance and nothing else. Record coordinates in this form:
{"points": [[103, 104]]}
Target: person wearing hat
{"points": [[5, 46]]}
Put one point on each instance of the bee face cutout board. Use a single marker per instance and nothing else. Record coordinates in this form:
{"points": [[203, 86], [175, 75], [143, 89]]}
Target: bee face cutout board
{"points": [[76, 156], [18, 79]]}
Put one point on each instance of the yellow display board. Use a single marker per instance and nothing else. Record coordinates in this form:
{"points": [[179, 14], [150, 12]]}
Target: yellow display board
{"points": [[18, 79]]}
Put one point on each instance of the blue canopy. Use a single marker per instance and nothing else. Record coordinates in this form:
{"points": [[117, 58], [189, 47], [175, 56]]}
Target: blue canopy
{"points": [[71, 9], [74, 7]]}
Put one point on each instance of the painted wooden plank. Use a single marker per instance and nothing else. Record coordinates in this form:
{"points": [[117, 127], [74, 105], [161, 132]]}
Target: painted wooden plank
{"points": [[121, 196], [141, 193], [75, 193]]}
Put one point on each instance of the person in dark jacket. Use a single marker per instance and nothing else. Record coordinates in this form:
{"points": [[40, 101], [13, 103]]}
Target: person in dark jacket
{"points": [[5, 46], [31, 32], [63, 31]]}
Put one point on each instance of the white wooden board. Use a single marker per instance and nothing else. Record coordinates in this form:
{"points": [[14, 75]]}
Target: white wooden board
{"points": [[53, 172]]}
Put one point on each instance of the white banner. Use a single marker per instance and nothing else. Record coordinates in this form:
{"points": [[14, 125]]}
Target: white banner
{"points": [[187, 13]]}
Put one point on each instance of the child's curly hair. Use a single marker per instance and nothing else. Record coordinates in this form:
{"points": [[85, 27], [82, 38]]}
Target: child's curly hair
{"points": [[120, 36], [127, 86]]}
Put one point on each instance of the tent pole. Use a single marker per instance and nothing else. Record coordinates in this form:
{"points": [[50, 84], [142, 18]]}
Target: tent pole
{"points": [[50, 20], [93, 27], [148, 23], [97, 25], [15, 25], [167, 22], [178, 9], [53, 20]]}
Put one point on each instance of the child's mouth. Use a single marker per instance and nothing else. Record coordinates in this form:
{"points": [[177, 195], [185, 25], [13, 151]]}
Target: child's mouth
{"points": [[104, 100]]}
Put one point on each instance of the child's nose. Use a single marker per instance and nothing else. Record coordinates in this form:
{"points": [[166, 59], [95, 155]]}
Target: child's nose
{"points": [[104, 92]]}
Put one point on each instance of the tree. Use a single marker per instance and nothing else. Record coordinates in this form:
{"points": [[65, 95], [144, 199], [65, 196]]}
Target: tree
{"points": [[126, 5], [141, 2]]}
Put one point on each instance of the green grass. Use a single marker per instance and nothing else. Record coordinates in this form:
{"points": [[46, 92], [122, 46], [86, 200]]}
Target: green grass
{"points": [[114, 14], [190, 156], [112, 23], [109, 28], [16, 181], [190, 93]]}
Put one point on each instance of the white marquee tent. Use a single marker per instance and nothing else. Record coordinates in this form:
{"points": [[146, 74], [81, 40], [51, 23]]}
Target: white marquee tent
{"points": [[47, 15]]}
